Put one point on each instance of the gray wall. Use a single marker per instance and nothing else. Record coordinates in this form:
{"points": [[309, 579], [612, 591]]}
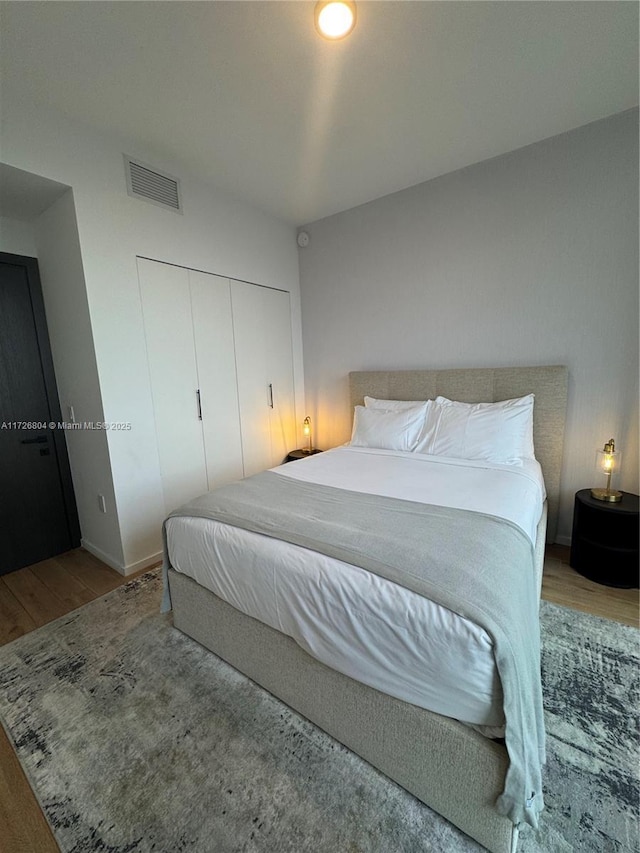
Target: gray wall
{"points": [[65, 300], [17, 237], [528, 258]]}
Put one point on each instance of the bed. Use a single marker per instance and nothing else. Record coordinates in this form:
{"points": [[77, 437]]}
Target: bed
{"points": [[459, 767]]}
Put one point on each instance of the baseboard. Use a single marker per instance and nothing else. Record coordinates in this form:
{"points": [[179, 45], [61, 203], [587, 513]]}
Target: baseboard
{"points": [[151, 560], [129, 569], [563, 540], [102, 555]]}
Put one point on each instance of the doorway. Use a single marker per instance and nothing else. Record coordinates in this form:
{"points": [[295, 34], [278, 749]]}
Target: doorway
{"points": [[38, 515]]}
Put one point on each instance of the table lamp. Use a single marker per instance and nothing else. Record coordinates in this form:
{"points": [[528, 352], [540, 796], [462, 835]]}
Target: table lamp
{"points": [[306, 431], [607, 461]]}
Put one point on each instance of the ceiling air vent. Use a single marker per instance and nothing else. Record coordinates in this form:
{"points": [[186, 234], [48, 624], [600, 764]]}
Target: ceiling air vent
{"points": [[152, 185]]}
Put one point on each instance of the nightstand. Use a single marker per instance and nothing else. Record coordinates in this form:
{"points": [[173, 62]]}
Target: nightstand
{"points": [[604, 543], [301, 454]]}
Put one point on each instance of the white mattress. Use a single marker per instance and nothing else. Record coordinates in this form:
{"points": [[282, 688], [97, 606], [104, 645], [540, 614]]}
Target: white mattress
{"points": [[357, 622]]}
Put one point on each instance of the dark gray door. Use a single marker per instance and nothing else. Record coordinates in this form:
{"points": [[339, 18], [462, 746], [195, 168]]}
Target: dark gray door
{"points": [[38, 517]]}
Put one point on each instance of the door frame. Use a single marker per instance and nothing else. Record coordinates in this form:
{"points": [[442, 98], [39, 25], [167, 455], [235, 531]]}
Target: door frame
{"points": [[31, 268]]}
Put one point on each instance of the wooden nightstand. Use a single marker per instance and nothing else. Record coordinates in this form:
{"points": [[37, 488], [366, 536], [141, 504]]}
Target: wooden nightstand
{"points": [[604, 543], [301, 454]]}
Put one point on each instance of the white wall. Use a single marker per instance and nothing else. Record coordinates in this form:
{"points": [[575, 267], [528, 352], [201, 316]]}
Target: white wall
{"points": [[528, 258], [17, 237], [69, 325], [216, 234]]}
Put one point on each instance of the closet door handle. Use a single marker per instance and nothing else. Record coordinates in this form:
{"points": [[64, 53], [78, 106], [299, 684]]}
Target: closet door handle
{"points": [[199, 405], [270, 396]]}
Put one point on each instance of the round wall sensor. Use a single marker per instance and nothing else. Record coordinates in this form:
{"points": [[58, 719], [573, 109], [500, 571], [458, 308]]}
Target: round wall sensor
{"points": [[303, 239]]}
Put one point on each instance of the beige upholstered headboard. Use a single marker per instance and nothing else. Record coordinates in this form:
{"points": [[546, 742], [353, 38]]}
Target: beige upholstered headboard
{"points": [[487, 385]]}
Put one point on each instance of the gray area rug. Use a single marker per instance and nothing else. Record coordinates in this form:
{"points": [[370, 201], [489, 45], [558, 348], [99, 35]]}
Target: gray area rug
{"points": [[136, 739]]}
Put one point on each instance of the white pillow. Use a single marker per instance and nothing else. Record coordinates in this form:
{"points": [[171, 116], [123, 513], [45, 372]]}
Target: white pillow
{"points": [[387, 430], [392, 405], [498, 432], [428, 428]]}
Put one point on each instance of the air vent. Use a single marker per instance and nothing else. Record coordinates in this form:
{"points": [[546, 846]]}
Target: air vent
{"points": [[152, 185]]}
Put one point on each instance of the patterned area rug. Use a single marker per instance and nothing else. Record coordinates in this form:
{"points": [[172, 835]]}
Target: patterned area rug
{"points": [[136, 739]]}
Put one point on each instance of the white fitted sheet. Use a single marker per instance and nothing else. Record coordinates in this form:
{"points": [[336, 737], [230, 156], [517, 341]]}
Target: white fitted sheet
{"points": [[355, 621]]}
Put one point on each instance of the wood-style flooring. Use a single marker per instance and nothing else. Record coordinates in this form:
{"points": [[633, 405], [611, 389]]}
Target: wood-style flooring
{"points": [[38, 594], [563, 585]]}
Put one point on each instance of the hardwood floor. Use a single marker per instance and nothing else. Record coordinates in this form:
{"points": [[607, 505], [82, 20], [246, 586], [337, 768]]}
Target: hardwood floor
{"points": [[563, 585], [35, 595]]}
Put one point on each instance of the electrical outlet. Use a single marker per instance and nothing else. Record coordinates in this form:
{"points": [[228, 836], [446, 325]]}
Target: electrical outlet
{"points": [[102, 503]]}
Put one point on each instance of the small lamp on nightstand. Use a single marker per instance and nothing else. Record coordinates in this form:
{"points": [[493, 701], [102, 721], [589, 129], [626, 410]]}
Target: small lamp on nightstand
{"points": [[607, 461], [306, 431]]}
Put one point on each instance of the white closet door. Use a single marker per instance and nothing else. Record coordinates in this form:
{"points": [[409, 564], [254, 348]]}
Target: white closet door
{"points": [[213, 332], [166, 305], [276, 312], [253, 386]]}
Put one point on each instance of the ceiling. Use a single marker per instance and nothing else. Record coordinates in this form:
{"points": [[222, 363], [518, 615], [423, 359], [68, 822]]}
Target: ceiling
{"points": [[247, 96]]}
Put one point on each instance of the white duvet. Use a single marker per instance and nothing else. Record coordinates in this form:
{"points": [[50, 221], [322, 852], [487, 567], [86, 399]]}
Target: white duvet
{"points": [[357, 622]]}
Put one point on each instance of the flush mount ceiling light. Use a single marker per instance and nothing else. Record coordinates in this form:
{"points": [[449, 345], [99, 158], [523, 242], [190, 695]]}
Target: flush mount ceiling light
{"points": [[335, 18]]}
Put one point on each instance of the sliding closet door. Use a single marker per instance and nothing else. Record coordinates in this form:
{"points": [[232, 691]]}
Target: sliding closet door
{"points": [[166, 304], [221, 371], [279, 360], [254, 393], [215, 355], [262, 328]]}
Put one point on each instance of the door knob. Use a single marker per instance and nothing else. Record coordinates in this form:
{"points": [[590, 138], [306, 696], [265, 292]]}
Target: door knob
{"points": [[39, 439]]}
